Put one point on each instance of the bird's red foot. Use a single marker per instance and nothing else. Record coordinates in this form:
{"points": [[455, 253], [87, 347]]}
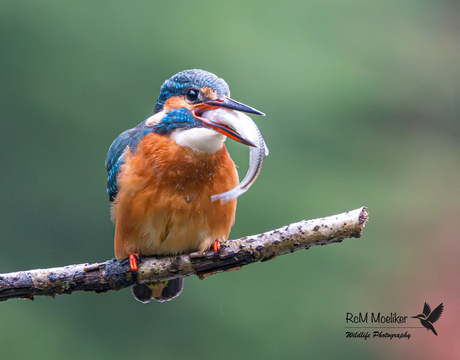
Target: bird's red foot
{"points": [[216, 246], [133, 259]]}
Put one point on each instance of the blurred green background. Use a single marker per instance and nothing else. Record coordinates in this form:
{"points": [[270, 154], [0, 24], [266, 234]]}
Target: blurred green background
{"points": [[362, 101]]}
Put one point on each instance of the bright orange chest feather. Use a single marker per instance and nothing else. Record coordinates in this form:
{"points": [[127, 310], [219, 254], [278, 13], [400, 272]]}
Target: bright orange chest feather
{"points": [[164, 203]]}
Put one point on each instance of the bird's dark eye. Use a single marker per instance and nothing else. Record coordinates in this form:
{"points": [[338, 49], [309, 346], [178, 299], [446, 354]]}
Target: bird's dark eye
{"points": [[192, 94]]}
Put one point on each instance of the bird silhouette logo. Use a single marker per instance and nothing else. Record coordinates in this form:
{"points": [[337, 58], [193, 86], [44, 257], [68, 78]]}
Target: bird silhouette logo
{"points": [[429, 317]]}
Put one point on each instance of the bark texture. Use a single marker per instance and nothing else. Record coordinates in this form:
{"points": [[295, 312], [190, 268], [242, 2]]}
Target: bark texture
{"points": [[116, 274]]}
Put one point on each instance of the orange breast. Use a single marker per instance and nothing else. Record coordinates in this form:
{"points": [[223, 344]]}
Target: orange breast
{"points": [[164, 201]]}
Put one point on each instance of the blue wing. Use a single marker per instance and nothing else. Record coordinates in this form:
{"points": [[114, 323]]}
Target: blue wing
{"points": [[115, 158], [116, 155]]}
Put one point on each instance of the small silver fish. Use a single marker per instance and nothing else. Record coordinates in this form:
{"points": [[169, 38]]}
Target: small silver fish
{"points": [[247, 128]]}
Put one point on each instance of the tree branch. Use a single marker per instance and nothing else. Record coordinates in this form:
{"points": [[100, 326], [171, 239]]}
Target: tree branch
{"points": [[116, 274]]}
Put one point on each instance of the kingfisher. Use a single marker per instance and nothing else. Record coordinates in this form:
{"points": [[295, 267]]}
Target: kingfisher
{"points": [[162, 173], [429, 317]]}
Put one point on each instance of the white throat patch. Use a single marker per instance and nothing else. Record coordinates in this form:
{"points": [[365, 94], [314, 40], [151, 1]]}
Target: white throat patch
{"points": [[155, 119], [199, 139]]}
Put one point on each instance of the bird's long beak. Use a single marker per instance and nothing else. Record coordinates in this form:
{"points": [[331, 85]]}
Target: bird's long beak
{"points": [[228, 103], [224, 102]]}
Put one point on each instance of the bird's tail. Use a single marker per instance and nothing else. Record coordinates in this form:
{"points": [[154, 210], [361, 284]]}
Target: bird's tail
{"points": [[160, 292]]}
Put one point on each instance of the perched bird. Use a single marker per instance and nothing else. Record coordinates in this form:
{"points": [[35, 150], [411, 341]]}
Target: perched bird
{"points": [[429, 317], [162, 173]]}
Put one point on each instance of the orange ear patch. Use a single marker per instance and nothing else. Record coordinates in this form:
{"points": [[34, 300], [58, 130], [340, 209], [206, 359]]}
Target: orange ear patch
{"points": [[209, 93], [175, 102]]}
